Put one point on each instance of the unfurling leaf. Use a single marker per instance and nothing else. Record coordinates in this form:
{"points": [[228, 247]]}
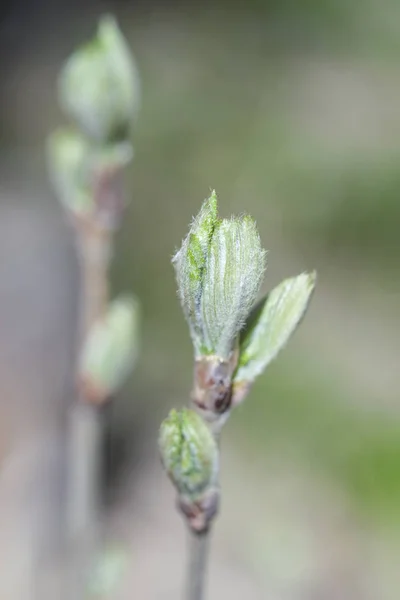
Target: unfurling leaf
{"points": [[190, 262], [99, 86], [271, 324], [188, 451], [219, 270], [232, 278], [110, 350]]}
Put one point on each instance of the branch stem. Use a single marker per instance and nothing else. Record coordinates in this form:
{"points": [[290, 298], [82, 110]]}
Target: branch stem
{"points": [[85, 420], [84, 480], [199, 545]]}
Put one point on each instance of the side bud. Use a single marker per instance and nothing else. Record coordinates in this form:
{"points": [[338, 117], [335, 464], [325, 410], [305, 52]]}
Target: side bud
{"points": [[189, 452], [110, 351], [189, 263], [67, 153], [85, 177]]}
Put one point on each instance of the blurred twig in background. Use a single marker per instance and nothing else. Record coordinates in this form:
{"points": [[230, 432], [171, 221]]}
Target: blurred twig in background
{"points": [[98, 90]]}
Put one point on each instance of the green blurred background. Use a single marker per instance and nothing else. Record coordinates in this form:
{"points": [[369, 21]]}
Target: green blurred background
{"points": [[291, 111]]}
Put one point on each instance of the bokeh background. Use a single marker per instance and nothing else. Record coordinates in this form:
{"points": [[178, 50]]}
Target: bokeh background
{"points": [[291, 111]]}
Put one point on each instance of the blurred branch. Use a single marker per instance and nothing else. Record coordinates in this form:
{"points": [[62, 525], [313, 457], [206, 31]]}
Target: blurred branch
{"points": [[85, 163], [199, 544], [86, 419]]}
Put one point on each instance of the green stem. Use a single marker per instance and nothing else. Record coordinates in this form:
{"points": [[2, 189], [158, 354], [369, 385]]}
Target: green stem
{"points": [[199, 545], [85, 472]]}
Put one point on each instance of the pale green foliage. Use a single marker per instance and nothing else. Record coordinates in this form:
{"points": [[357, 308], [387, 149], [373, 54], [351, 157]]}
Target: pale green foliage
{"points": [[113, 157], [107, 573], [272, 323], [112, 346], [66, 156], [219, 270], [190, 263], [233, 275], [99, 85], [188, 451], [75, 164]]}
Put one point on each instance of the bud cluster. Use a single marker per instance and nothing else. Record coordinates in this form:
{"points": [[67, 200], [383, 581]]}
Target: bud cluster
{"points": [[99, 93], [219, 270]]}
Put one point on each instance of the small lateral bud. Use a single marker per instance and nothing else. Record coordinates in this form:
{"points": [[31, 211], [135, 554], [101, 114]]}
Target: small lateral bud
{"points": [[219, 270], [189, 263], [110, 351], [189, 452]]}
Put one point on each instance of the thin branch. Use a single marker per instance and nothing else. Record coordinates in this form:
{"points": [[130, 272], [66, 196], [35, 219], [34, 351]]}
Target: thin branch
{"points": [[84, 478], [199, 545], [85, 421]]}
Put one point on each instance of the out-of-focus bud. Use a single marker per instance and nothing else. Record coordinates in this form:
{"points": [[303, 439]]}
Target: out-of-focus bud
{"points": [[67, 153], [189, 452], [107, 572], [232, 278], [99, 85], [269, 327], [84, 176], [190, 262], [110, 351]]}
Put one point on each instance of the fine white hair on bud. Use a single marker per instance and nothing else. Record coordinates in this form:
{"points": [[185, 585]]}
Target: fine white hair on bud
{"points": [[67, 153], [219, 270], [99, 85], [271, 324], [232, 278], [190, 262]]}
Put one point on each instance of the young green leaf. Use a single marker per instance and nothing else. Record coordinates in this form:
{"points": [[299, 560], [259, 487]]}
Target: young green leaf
{"points": [[271, 324], [99, 85], [188, 451], [233, 274], [189, 263]]}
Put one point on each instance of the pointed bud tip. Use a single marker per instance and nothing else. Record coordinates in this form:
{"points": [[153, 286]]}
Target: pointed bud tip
{"points": [[99, 85], [66, 154], [108, 23]]}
